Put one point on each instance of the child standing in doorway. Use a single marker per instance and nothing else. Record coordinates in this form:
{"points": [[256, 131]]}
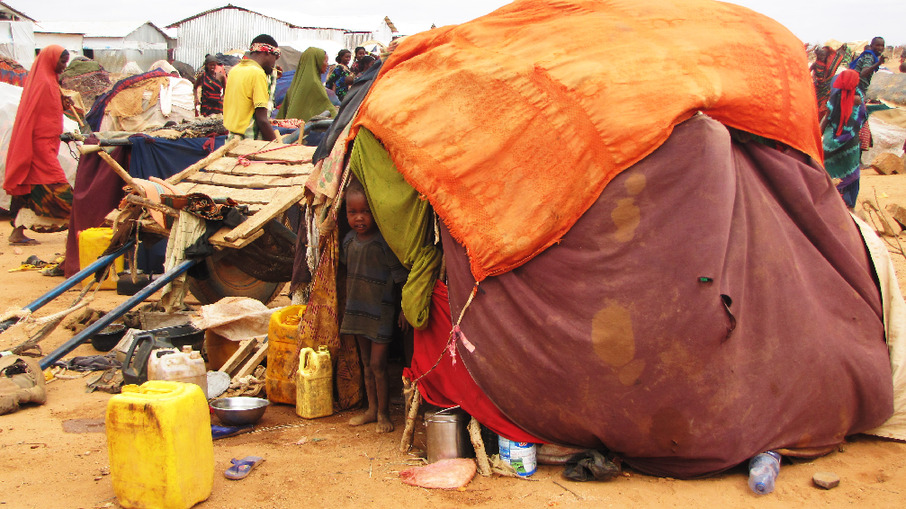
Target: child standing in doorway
{"points": [[373, 273]]}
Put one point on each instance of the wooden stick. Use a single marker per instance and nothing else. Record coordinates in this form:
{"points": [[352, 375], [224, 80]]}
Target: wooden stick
{"points": [[138, 200], [481, 456], [77, 116], [257, 358], [122, 173], [217, 154], [409, 431]]}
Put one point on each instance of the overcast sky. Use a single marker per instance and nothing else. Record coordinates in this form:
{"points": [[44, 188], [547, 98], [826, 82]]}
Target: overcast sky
{"points": [[810, 20]]}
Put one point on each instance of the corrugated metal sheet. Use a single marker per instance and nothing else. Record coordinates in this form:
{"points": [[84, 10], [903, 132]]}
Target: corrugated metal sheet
{"points": [[228, 29]]}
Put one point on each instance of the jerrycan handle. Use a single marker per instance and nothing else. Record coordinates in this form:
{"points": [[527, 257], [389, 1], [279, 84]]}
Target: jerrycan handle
{"points": [[305, 360]]}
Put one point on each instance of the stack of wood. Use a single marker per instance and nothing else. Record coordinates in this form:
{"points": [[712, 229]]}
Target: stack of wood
{"points": [[267, 177], [245, 369]]}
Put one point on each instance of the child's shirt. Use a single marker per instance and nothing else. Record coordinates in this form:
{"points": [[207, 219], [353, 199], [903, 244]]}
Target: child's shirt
{"points": [[372, 269]]}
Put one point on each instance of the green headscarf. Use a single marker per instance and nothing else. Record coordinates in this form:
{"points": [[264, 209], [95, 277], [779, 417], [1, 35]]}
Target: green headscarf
{"points": [[307, 96]]}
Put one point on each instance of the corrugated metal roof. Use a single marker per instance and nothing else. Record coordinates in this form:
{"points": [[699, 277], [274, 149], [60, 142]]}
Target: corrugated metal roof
{"points": [[18, 13], [94, 28]]}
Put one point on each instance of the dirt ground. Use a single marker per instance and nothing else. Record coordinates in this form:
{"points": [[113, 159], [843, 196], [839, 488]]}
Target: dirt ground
{"points": [[324, 462]]}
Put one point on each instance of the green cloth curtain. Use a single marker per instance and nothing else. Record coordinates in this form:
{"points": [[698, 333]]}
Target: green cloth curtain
{"points": [[307, 96], [405, 220]]}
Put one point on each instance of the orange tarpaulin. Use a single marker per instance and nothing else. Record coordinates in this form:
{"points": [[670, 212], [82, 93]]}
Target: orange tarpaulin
{"points": [[512, 124]]}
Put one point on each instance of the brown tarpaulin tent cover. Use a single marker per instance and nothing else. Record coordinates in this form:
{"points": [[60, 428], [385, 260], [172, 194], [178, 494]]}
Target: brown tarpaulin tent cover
{"points": [[618, 337], [526, 104]]}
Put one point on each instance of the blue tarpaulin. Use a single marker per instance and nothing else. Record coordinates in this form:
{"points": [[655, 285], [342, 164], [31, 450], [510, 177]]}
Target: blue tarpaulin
{"points": [[160, 157]]}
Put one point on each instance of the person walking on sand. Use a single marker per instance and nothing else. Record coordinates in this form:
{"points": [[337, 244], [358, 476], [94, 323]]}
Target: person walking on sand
{"points": [[845, 116], [34, 178], [374, 277]]}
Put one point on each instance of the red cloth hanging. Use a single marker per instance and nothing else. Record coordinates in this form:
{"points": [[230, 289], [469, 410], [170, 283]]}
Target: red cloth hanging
{"points": [[451, 384]]}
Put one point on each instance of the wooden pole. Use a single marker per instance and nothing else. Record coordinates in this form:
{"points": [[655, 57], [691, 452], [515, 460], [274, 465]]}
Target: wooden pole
{"points": [[122, 173]]}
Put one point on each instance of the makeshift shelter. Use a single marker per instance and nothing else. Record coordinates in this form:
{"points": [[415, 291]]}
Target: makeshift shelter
{"points": [[17, 38], [686, 290], [115, 43], [86, 77], [143, 101]]}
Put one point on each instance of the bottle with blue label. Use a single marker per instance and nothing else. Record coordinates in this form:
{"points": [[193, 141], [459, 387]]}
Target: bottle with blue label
{"points": [[763, 471]]}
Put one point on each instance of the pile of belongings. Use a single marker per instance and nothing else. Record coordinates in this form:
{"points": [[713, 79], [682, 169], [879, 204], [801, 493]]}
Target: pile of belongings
{"points": [[200, 127], [143, 101], [12, 72], [630, 247], [86, 77]]}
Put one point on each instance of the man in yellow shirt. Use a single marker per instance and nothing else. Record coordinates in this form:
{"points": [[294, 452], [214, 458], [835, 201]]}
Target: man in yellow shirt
{"points": [[245, 99]]}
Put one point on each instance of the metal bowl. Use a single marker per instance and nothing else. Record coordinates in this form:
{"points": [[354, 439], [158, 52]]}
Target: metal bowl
{"points": [[239, 410]]}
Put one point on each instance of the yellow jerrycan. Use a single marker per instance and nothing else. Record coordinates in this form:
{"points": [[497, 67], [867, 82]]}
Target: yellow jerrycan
{"points": [[282, 340], [314, 383], [160, 446]]}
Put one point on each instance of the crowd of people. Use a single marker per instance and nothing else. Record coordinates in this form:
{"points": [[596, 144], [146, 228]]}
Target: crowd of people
{"points": [[842, 110]]}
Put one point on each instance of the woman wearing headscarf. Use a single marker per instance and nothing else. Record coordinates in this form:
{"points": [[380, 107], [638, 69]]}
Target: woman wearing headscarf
{"points": [[823, 71], [34, 177], [845, 115], [340, 77], [307, 96]]}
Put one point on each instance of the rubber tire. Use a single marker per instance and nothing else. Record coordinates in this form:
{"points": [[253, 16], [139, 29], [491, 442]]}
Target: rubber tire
{"points": [[227, 280]]}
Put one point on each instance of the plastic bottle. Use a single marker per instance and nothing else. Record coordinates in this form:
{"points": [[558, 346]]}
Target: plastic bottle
{"points": [[763, 470]]}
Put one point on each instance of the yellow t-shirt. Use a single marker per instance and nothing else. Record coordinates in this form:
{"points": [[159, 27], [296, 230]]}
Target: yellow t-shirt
{"points": [[246, 89]]}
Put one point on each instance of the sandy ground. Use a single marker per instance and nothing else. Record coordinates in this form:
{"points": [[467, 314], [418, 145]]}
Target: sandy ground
{"points": [[44, 466]]}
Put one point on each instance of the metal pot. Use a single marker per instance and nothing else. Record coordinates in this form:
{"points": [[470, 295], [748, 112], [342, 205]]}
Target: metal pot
{"points": [[447, 435]]}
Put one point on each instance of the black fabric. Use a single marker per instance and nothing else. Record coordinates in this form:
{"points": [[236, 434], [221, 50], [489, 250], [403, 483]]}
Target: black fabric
{"points": [[591, 465], [348, 109]]}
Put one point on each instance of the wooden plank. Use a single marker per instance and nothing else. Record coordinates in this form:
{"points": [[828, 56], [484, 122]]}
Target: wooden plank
{"points": [[246, 348], [218, 239], [246, 181], [255, 360], [231, 166], [245, 147], [262, 196], [283, 152], [285, 199], [213, 156]]}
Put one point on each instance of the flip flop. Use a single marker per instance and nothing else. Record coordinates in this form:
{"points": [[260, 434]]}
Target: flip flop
{"points": [[218, 432], [241, 468], [26, 242]]}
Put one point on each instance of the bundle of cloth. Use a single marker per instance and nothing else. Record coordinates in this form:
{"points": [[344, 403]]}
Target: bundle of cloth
{"points": [[12, 72], [631, 243]]}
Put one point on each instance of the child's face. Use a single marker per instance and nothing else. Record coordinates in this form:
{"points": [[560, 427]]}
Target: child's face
{"points": [[359, 214]]}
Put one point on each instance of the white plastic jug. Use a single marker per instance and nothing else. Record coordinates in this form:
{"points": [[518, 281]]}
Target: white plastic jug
{"points": [[171, 364]]}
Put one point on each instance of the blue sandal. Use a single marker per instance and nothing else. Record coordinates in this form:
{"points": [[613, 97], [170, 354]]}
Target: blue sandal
{"points": [[241, 468]]}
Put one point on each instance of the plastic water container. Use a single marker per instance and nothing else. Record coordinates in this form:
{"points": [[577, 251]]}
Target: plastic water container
{"points": [[763, 471], [282, 340], [92, 243], [314, 383], [185, 366], [159, 444]]}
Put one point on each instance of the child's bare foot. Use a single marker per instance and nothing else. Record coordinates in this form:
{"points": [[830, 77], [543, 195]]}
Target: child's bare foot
{"points": [[384, 424], [363, 418]]}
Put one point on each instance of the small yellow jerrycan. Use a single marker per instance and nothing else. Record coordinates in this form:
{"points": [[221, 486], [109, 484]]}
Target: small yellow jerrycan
{"points": [[314, 384]]}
